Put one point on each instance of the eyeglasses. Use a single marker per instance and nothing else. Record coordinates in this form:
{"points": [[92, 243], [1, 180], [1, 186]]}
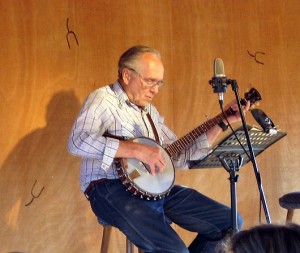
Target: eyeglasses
{"points": [[151, 83]]}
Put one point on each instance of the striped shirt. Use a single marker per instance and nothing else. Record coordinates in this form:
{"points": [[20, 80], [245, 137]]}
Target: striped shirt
{"points": [[108, 110]]}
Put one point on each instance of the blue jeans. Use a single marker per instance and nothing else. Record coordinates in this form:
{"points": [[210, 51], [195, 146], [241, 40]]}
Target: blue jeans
{"points": [[148, 223]]}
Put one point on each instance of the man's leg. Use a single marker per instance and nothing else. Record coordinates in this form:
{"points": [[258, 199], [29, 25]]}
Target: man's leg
{"points": [[198, 213], [142, 221]]}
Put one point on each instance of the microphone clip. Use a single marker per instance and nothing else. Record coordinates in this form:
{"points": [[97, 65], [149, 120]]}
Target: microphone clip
{"points": [[219, 84]]}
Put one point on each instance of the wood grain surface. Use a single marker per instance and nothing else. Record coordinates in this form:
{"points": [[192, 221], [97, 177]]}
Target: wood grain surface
{"points": [[54, 53]]}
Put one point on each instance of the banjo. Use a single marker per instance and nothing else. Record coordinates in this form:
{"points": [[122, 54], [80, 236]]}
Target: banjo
{"points": [[135, 175]]}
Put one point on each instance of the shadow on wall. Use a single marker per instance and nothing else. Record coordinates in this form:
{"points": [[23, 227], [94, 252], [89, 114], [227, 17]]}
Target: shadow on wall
{"points": [[39, 184]]}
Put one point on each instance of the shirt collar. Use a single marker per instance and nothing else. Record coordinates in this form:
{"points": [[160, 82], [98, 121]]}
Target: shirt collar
{"points": [[123, 98]]}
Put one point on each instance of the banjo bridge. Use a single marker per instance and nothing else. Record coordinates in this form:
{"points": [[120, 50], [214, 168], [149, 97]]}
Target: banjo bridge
{"points": [[134, 174]]}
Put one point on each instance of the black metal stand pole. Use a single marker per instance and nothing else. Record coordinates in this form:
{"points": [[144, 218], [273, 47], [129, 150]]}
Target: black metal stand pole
{"points": [[251, 152], [233, 166]]}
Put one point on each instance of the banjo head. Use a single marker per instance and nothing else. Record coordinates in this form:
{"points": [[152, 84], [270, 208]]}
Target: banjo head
{"points": [[138, 179]]}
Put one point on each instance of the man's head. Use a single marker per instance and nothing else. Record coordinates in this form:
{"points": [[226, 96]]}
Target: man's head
{"points": [[141, 74]]}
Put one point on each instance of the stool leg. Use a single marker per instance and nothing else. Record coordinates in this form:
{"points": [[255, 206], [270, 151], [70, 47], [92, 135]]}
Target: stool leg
{"points": [[105, 239], [129, 246], [289, 215]]}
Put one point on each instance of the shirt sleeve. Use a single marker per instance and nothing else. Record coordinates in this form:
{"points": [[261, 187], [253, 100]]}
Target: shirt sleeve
{"points": [[86, 139]]}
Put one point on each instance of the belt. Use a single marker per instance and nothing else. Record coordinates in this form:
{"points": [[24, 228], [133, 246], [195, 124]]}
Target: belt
{"points": [[92, 185]]}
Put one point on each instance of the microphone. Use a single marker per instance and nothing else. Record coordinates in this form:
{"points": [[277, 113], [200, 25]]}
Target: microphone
{"points": [[219, 68], [219, 80]]}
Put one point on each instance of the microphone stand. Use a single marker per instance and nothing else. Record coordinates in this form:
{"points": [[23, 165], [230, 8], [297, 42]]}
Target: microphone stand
{"points": [[234, 86]]}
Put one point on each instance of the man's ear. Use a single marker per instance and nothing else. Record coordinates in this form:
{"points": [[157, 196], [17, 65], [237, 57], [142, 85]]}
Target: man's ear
{"points": [[126, 75]]}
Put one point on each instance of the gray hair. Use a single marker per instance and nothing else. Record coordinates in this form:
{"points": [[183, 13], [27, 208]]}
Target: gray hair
{"points": [[129, 57]]}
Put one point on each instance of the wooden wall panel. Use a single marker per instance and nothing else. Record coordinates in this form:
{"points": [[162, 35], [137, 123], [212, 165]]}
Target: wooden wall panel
{"points": [[44, 82]]}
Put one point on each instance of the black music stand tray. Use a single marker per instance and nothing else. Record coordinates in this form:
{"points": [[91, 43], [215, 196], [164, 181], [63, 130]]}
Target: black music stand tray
{"points": [[231, 156], [230, 148]]}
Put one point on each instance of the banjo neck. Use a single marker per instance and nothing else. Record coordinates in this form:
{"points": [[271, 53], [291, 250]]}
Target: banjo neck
{"points": [[188, 138], [252, 96]]}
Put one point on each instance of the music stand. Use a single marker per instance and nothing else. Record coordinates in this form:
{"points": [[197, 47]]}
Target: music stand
{"points": [[231, 156]]}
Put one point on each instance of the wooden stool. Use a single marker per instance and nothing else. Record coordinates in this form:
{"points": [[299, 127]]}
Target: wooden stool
{"points": [[290, 201], [106, 238]]}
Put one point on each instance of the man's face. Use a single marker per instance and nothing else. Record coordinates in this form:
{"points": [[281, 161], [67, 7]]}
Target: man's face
{"points": [[143, 83]]}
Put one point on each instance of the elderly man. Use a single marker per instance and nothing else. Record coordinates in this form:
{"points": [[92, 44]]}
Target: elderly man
{"points": [[117, 112]]}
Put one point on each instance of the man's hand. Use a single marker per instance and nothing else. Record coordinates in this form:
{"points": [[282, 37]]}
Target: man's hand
{"points": [[153, 157], [234, 106], [149, 155]]}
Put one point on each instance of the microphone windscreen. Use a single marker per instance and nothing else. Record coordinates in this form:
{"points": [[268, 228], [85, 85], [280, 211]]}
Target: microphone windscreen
{"points": [[219, 68]]}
